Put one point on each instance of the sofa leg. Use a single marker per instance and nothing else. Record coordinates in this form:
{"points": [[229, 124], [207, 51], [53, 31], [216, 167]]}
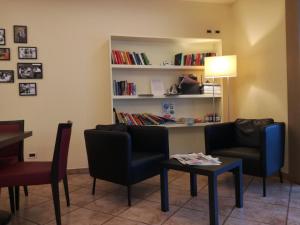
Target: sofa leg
{"points": [[94, 186], [280, 176], [264, 187], [129, 195]]}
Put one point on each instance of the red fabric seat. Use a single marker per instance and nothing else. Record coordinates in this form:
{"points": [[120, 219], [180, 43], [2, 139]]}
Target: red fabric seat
{"points": [[25, 173]]}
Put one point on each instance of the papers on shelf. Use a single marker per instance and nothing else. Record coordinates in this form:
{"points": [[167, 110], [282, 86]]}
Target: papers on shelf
{"points": [[197, 159]]}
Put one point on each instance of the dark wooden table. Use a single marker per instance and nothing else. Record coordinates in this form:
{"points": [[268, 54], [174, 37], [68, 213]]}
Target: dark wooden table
{"points": [[212, 172], [7, 139]]}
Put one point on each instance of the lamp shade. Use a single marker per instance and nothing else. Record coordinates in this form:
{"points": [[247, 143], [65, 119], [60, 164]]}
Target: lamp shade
{"points": [[220, 66]]}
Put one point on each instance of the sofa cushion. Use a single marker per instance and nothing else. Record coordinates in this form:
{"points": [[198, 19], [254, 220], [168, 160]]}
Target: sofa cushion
{"points": [[240, 152], [112, 127], [247, 131]]}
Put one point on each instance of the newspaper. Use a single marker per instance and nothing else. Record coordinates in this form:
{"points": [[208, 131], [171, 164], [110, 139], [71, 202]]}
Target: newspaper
{"points": [[198, 159]]}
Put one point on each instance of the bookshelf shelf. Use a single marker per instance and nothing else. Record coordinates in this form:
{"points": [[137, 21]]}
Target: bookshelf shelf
{"points": [[178, 125], [155, 67], [127, 97]]}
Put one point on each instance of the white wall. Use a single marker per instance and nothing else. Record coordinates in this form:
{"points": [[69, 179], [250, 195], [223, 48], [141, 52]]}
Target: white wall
{"points": [[72, 40]]}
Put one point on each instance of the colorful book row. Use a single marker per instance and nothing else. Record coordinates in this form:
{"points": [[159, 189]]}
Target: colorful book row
{"points": [[124, 88], [192, 59], [129, 58], [140, 119]]}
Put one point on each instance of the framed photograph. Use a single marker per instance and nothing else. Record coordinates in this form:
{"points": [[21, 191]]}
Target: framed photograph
{"points": [[6, 76], [2, 36], [27, 89], [4, 54], [30, 70], [20, 34], [27, 52]]}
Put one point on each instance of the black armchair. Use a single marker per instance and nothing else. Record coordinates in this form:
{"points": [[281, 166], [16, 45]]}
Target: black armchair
{"points": [[260, 143], [125, 154]]}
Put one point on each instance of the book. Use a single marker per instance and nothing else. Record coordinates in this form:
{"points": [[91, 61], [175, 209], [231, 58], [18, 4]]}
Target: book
{"points": [[178, 59]]}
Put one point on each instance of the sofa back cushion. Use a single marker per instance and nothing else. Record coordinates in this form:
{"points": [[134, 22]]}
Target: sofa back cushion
{"points": [[112, 127], [247, 131]]}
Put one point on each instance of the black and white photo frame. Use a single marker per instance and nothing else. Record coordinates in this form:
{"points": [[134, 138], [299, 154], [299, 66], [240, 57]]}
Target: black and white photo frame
{"points": [[20, 34], [2, 36], [27, 89], [27, 52], [30, 70], [7, 76]]}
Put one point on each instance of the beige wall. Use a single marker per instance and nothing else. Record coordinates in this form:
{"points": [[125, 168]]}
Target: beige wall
{"points": [[260, 90], [72, 40]]}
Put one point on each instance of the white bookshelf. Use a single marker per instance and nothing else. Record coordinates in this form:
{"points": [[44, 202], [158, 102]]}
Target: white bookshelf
{"points": [[157, 50]]}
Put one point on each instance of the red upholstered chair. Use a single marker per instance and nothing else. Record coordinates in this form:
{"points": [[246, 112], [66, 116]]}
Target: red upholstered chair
{"points": [[13, 153], [37, 173]]}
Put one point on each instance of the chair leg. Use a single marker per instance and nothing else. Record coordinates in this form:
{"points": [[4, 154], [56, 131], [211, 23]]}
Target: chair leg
{"points": [[11, 199], [66, 186], [94, 186], [26, 190], [17, 197], [264, 187], [55, 195], [280, 176], [129, 195]]}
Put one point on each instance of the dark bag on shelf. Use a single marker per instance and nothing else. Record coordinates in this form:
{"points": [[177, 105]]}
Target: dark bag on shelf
{"points": [[189, 85]]}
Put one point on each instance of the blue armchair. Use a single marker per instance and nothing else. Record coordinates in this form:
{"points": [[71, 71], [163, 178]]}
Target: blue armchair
{"points": [[259, 142]]}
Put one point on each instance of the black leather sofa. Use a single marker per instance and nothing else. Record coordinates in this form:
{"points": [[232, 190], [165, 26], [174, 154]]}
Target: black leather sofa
{"points": [[259, 142], [125, 154]]}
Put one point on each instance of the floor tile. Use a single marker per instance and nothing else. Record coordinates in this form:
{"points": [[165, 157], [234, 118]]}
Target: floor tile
{"points": [[294, 216], [176, 197], [183, 182], [19, 221], [295, 200], [260, 212], [295, 188], [83, 217], [148, 212], [84, 196], [44, 213], [122, 221], [273, 197], [143, 190], [233, 221], [80, 180], [273, 185], [111, 203], [190, 217], [201, 203]]}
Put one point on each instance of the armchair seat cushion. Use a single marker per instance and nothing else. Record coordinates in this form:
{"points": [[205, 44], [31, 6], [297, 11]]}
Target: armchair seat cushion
{"points": [[240, 152]]}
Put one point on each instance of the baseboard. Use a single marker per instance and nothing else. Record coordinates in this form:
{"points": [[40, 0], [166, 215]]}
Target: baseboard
{"points": [[78, 171]]}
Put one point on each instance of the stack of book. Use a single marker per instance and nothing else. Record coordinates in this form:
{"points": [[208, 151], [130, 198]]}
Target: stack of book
{"points": [[140, 119], [129, 58], [192, 59], [210, 88], [124, 88]]}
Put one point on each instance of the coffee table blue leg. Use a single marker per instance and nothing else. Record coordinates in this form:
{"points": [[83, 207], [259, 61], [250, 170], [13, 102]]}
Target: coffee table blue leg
{"points": [[213, 200], [238, 177], [164, 190], [193, 184]]}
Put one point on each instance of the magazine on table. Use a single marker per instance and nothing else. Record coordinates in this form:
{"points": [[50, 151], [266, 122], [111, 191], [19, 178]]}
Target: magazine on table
{"points": [[197, 159]]}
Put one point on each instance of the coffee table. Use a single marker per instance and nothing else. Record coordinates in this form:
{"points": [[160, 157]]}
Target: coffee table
{"points": [[212, 172]]}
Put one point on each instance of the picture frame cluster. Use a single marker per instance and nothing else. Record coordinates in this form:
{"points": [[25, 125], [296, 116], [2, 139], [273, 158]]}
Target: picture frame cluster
{"points": [[25, 70]]}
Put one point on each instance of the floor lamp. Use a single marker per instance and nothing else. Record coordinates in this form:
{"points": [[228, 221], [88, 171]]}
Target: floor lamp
{"points": [[220, 67]]}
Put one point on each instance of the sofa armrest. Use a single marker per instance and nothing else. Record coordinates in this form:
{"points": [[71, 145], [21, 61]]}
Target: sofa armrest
{"points": [[218, 136], [273, 147], [150, 139], [109, 153]]}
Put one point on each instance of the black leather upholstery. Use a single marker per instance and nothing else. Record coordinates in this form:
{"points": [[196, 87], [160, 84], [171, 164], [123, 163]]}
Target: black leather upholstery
{"points": [[126, 154], [259, 142]]}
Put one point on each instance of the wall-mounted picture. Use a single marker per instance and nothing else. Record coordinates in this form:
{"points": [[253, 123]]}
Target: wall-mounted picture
{"points": [[27, 52], [2, 36], [6, 76], [27, 89], [4, 54], [30, 70], [20, 34]]}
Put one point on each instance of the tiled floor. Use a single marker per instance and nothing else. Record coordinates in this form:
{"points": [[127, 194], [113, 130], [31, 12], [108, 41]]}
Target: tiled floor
{"points": [[109, 205]]}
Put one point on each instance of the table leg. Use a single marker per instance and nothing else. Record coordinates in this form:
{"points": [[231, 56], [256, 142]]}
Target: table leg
{"points": [[213, 200], [4, 217], [238, 177], [193, 184], [164, 193]]}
